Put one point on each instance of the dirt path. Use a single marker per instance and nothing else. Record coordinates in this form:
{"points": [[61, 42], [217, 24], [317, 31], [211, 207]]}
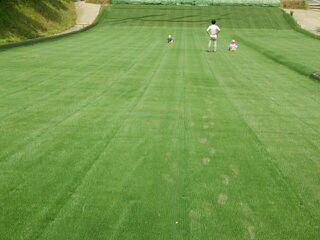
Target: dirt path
{"points": [[86, 14], [307, 19]]}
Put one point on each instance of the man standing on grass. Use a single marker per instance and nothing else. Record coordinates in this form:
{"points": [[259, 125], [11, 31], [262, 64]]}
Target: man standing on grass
{"points": [[213, 31]]}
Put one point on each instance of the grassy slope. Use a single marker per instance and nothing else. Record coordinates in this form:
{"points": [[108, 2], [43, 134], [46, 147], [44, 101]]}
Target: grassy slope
{"points": [[21, 20], [134, 139]]}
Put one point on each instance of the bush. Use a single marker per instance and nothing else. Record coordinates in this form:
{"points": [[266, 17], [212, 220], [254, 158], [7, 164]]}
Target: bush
{"points": [[99, 1], [294, 4]]}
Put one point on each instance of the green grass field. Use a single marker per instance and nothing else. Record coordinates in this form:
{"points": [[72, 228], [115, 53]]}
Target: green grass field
{"points": [[113, 134]]}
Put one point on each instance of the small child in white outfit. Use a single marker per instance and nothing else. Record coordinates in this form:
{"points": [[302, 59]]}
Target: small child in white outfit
{"points": [[170, 39], [233, 46]]}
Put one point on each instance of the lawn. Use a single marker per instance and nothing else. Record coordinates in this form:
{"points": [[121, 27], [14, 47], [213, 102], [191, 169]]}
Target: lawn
{"points": [[113, 134]]}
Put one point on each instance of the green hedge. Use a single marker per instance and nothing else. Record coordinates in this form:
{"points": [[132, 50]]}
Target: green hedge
{"points": [[202, 2]]}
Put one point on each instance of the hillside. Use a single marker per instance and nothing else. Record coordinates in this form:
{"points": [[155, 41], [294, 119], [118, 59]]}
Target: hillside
{"points": [[22, 20]]}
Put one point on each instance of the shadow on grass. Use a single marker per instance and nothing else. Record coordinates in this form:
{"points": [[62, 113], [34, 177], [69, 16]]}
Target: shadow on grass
{"points": [[182, 19]]}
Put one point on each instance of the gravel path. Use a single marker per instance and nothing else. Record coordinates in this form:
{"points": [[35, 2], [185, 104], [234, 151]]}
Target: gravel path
{"points": [[307, 19], [86, 14]]}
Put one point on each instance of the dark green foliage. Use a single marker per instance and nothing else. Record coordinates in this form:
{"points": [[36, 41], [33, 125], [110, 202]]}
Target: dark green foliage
{"points": [[316, 75]]}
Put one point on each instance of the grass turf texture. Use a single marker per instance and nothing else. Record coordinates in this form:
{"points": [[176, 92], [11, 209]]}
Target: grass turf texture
{"points": [[129, 138]]}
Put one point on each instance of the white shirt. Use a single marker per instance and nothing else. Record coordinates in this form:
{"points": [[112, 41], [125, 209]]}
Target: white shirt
{"points": [[233, 46], [213, 30]]}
